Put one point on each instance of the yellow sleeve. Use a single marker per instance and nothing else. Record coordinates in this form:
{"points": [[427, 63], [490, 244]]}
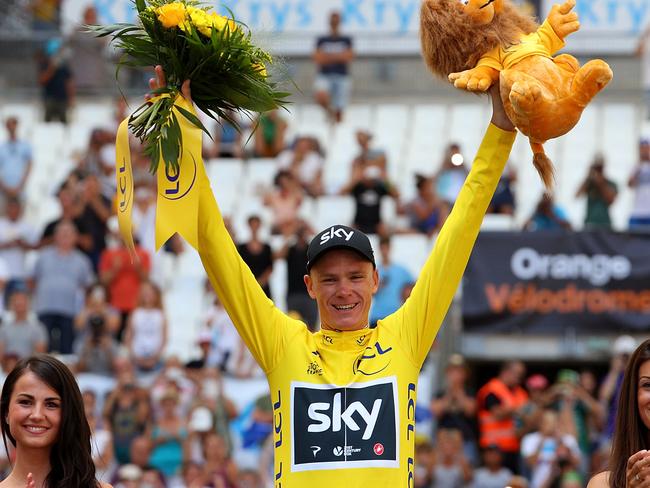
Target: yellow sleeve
{"points": [[417, 322], [262, 326], [492, 59], [549, 39]]}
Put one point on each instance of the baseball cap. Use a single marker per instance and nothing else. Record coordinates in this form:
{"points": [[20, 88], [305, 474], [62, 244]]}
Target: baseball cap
{"points": [[201, 420], [339, 237], [537, 382], [456, 360], [129, 472]]}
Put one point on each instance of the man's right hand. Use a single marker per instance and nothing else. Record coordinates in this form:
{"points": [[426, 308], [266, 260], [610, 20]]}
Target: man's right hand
{"points": [[499, 117], [160, 81]]}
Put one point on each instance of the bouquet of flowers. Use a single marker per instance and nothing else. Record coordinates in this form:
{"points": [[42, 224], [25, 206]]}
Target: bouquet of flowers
{"points": [[227, 72]]}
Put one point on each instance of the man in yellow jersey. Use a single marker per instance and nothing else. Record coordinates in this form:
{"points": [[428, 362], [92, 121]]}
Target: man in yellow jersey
{"points": [[344, 397]]}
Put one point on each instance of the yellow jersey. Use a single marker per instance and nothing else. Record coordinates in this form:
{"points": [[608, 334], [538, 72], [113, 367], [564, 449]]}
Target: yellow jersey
{"points": [[543, 42], [344, 402]]}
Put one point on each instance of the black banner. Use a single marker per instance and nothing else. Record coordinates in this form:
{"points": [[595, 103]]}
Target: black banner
{"points": [[543, 282]]}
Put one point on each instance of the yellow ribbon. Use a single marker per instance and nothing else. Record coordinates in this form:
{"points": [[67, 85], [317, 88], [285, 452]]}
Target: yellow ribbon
{"points": [[124, 177], [178, 190]]}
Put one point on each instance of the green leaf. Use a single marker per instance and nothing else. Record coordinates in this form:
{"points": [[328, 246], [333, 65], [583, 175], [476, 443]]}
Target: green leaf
{"points": [[193, 119], [140, 5]]}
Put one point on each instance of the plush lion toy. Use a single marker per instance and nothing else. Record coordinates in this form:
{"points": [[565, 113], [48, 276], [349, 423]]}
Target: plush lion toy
{"points": [[474, 43]]}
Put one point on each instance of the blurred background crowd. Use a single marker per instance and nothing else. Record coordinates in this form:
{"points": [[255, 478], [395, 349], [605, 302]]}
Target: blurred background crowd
{"points": [[173, 396]]}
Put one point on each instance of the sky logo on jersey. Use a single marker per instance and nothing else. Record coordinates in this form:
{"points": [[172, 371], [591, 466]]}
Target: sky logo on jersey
{"points": [[319, 412], [338, 232], [347, 423]]}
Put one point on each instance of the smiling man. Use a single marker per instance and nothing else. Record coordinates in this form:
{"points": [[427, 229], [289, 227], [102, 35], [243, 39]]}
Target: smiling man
{"points": [[344, 397]]}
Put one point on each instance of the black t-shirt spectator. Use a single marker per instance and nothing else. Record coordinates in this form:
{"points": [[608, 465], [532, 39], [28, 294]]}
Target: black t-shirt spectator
{"points": [[55, 87], [334, 44], [296, 266], [96, 227], [258, 263], [457, 420], [368, 205]]}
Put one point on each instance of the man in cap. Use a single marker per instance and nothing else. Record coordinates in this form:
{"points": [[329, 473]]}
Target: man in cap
{"points": [[344, 397]]}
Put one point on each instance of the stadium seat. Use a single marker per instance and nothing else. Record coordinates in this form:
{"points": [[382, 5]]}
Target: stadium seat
{"points": [[94, 115], [332, 210], [467, 124], [411, 251], [226, 180], [358, 116], [498, 222], [426, 141], [392, 124], [258, 175], [27, 113]]}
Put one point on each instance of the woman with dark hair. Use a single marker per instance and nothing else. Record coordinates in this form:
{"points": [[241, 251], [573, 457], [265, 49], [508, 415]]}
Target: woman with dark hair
{"points": [[426, 211], [42, 415], [630, 458]]}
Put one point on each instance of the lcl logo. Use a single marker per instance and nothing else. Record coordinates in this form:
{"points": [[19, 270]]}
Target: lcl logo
{"points": [[123, 187], [174, 185]]}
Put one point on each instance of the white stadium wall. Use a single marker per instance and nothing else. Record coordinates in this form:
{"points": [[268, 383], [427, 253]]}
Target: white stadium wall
{"points": [[383, 27]]}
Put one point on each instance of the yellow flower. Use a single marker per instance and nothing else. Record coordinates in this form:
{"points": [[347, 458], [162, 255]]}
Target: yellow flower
{"points": [[260, 69], [171, 15], [199, 20], [220, 22]]}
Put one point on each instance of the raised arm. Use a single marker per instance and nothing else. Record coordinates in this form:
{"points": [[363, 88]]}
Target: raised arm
{"points": [[418, 320], [262, 326]]}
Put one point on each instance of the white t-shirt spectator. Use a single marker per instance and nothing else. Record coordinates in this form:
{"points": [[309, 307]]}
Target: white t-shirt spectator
{"points": [[641, 206], [14, 256], [22, 338], [530, 444], [15, 157], [225, 339], [148, 331], [484, 478], [309, 167]]}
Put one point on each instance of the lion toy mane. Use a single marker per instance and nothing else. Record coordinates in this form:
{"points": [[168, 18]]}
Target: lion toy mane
{"points": [[475, 43]]}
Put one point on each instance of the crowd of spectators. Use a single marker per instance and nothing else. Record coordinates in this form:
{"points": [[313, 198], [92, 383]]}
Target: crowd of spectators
{"points": [[155, 418], [527, 430]]}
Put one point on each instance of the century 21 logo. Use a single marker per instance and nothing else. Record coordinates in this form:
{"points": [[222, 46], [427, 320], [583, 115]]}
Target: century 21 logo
{"points": [[323, 422]]}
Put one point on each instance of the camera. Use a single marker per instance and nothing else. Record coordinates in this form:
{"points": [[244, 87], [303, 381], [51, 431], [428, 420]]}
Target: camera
{"points": [[96, 327]]}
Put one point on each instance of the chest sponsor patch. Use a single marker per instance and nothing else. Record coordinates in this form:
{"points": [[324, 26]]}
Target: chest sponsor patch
{"points": [[336, 427]]}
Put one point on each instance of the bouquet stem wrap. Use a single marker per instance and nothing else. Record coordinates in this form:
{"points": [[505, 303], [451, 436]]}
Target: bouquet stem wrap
{"points": [[178, 188]]}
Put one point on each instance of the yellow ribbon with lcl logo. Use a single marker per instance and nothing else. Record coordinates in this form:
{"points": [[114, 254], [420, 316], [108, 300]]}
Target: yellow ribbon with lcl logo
{"points": [[177, 209], [177, 205], [124, 177]]}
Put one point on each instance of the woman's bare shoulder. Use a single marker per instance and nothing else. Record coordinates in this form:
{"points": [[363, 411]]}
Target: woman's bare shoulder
{"points": [[106, 485], [601, 480]]}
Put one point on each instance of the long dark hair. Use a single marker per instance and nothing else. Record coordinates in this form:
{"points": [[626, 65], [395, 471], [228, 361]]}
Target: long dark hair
{"points": [[630, 434], [70, 457]]}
